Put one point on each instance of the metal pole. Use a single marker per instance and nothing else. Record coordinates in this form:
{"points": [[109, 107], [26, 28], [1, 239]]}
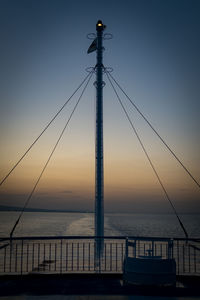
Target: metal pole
{"points": [[99, 180]]}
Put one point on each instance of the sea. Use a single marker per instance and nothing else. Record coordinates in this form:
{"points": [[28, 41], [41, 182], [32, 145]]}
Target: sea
{"points": [[115, 224]]}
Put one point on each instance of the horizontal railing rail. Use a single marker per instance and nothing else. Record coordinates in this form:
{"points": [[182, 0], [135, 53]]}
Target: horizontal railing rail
{"points": [[76, 254], [57, 237]]}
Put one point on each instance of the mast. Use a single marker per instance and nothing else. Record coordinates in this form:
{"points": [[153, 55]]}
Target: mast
{"points": [[99, 180]]}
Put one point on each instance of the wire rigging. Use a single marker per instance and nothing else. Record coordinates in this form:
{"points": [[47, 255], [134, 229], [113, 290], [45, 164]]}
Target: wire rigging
{"points": [[50, 156], [148, 157], [46, 127], [156, 132]]}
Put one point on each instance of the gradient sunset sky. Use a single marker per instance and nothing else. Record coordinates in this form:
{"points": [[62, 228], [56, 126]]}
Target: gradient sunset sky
{"points": [[155, 56]]}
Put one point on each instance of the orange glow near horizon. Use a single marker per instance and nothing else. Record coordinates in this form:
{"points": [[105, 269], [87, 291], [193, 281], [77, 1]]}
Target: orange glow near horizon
{"points": [[123, 179]]}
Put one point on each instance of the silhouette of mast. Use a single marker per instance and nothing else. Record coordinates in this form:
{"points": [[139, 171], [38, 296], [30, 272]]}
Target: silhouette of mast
{"points": [[99, 180]]}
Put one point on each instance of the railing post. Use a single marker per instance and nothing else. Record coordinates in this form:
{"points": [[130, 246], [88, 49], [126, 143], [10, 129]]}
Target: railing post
{"points": [[183, 258], [126, 250], [177, 245], [89, 257], [83, 256], [27, 257], [66, 256], [55, 256], [10, 258], [122, 255], [195, 269], [49, 256], [77, 261], [152, 248], [22, 257], [33, 254], [61, 256], [111, 257], [170, 249], [16, 258], [189, 256], [44, 257], [72, 256], [116, 256], [5, 259]]}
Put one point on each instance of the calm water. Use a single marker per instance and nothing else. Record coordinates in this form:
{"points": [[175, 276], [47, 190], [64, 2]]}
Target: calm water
{"points": [[55, 224]]}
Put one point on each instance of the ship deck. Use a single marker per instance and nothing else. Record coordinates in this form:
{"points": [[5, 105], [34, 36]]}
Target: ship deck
{"points": [[68, 266], [92, 284]]}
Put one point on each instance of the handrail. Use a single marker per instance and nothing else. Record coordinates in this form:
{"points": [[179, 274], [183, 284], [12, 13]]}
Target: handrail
{"points": [[98, 237]]}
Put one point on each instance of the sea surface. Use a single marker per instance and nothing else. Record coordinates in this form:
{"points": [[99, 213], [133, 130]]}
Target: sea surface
{"points": [[82, 224]]}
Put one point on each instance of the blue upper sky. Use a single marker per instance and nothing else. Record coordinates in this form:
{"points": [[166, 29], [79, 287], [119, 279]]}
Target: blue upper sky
{"points": [[155, 56]]}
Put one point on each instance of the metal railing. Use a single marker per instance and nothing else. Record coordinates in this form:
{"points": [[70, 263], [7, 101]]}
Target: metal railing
{"points": [[28, 255]]}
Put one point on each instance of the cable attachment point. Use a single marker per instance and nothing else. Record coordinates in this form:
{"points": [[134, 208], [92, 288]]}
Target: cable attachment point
{"points": [[90, 69], [107, 36], [107, 69], [91, 36]]}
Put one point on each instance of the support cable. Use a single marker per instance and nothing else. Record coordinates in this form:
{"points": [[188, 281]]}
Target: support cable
{"points": [[156, 132], [51, 121], [148, 157], [48, 160]]}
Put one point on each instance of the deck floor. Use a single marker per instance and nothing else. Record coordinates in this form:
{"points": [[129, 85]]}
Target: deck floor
{"points": [[91, 284]]}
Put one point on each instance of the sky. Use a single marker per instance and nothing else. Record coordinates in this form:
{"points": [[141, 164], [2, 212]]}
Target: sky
{"points": [[154, 54]]}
